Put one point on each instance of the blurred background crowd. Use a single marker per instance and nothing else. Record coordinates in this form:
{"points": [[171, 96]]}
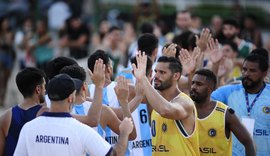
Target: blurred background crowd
{"points": [[32, 32]]}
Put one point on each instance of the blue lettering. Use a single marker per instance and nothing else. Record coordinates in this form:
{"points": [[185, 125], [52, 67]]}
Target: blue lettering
{"points": [[261, 132]]}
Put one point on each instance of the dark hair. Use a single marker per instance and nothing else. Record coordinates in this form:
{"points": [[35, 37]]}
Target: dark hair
{"points": [[148, 64], [260, 59], [174, 64], [231, 22], [210, 76], [261, 51], [28, 79], [75, 71], [98, 54], [147, 43], [186, 40], [231, 44], [54, 66], [177, 49], [147, 28], [113, 28]]}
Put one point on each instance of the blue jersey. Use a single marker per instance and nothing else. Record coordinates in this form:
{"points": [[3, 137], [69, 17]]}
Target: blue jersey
{"points": [[19, 118], [234, 97]]}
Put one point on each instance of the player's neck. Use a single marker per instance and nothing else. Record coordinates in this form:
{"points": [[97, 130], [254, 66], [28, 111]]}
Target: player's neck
{"points": [[29, 102], [170, 93], [205, 104], [205, 109], [59, 106]]}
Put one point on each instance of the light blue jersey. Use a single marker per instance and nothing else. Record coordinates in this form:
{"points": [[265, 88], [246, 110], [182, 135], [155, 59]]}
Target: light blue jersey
{"points": [[234, 97], [110, 99], [142, 145]]}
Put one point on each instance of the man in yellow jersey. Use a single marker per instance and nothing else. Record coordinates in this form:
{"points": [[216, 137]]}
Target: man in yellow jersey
{"points": [[173, 113], [216, 121]]}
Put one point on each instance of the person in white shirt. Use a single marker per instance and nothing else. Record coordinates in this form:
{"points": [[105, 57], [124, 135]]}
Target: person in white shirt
{"points": [[57, 133]]}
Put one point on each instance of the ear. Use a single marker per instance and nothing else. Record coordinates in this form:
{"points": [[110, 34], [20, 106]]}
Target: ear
{"points": [[177, 76], [38, 89]]}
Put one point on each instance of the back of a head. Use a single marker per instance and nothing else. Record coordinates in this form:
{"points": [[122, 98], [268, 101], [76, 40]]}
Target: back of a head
{"points": [[210, 76], [74, 71], [185, 40], [147, 43], [260, 59], [54, 66], [147, 28], [28, 79], [232, 22], [174, 64], [98, 54], [231, 44], [148, 64]]}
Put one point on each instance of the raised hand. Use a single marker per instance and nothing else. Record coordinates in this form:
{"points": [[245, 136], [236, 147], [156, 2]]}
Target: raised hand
{"points": [[170, 51], [202, 41], [188, 61], [122, 90], [126, 126], [98, 75], [215, 52], [140, 70]]}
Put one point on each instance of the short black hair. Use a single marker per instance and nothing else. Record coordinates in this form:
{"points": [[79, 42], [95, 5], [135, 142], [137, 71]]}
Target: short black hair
{"points": [[148, 64], [261, 51], [54, 66], [260, 59], [75, 71], [186, 40], [113, 28], [98, 54], [147, 28], [232, 22], [28, 79], [174, 64], [147, 43], [231, 44], [210, 76]]}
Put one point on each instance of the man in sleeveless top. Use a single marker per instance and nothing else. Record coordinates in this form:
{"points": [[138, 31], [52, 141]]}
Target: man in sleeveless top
{"points": [[173, 113], [31, 84], [216, 121]]}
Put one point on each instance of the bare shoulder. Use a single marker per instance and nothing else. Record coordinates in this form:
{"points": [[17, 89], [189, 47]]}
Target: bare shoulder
{"points": [[184, 100], [5, 120]]}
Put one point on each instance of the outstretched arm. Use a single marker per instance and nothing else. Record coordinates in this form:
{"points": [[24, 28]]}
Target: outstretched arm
{"points": [[179, 109], [126, 128], [98, 77], [122, 92], [233, 124]]}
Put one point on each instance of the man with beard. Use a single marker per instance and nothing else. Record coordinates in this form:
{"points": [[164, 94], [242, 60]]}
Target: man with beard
{"points": [[173, 113], [31, 83], [230, 31], [250, 100], [214, 135]]}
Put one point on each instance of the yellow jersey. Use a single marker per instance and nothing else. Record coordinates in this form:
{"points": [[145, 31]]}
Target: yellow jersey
{"points": [[212, 136], [169, 137]]}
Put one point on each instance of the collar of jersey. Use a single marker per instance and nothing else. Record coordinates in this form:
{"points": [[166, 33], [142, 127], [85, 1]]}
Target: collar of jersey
{"points": [[56, 114]]}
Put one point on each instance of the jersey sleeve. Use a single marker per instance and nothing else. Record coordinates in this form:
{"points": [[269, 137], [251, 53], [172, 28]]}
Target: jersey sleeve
{"points": [[221, 94], [21, 149]]}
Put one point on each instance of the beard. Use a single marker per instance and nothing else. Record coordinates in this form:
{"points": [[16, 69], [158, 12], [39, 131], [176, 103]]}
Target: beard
{"points": [[162, 85], [231, 38], [41, 98], [249, 84], [196, 97]]}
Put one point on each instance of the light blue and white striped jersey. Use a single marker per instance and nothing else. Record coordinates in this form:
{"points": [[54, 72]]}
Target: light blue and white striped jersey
{"points": [[234, 97], [110, 99], [142, 145], [82, 109]]}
